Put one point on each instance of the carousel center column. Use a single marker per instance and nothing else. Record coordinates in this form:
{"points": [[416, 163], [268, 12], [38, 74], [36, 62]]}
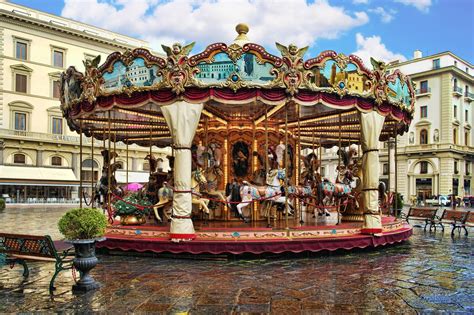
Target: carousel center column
{"points": [[182, 119], [371, 127]]}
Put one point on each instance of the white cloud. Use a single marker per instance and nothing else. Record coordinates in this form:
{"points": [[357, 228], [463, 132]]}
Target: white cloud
{"points": [[422, 5], [385, 16], [360, 1], [209, 21], [373, 47]]}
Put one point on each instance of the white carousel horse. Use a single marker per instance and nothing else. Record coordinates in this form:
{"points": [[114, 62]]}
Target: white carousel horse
{"points": [[249, 192]]}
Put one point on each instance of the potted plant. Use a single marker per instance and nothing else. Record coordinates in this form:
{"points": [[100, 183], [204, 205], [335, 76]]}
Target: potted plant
{"points": [[83, 228], [2, 204], [133, 209], [398, 202]]}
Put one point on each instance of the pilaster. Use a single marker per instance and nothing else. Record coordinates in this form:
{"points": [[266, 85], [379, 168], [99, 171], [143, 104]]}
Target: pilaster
{"points": [[446, 108]]}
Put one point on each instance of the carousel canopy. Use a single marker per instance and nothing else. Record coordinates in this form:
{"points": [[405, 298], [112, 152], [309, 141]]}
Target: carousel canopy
{"points": [[241, 86]]}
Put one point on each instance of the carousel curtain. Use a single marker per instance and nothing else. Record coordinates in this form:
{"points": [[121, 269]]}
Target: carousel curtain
{"points": [[371, 127], [182, 119]]}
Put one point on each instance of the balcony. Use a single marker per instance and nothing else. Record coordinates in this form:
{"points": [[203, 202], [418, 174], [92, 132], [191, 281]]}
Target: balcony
{"points": [[423, 92], [469, 96], [457, 91]]}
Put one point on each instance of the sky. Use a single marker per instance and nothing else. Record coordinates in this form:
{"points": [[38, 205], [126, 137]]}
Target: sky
{"points": [[384, 29]]}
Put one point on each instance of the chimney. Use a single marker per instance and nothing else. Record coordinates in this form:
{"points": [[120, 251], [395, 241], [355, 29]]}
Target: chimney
{"points": [[417, 54]]}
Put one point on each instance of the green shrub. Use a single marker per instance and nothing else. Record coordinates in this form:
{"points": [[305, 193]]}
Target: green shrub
{"points": [[85, 223], [128, 206], [2, 203]]}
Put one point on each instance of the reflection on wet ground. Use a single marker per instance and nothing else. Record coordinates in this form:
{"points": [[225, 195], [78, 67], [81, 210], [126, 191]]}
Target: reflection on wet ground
{"points": [[429, 272]]}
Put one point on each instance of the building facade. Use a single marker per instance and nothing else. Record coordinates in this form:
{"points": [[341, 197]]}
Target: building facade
{"points": [[39, 156], [436, 155]]}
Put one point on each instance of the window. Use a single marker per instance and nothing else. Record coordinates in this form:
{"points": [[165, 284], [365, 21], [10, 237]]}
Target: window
{"points": [[423, 167], [56, 87], [57, 125], [21, 83], [56, 161], [467, 170], [120, 165], [455, 136], [455, 84], [466, 115], [21, 47], [456, 170], [146, 166], [58, 58], [385, 169], [19, 159], [466, 90], [423, 111], [424, 87], [467, 70], [455, 63], [323, 171], [20, 121], [436, 64], [424, 136], [89, 163], [21, 50], [466, 138], [455, 109]]}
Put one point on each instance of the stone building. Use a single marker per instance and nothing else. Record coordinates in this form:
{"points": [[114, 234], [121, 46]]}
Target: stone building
{"points": [[39, 156]]}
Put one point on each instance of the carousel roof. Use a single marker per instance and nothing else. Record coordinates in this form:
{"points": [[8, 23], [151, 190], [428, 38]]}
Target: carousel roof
{"points": [[241, 86]]}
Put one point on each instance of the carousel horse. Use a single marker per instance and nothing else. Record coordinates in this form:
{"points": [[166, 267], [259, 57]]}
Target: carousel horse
{"points": [[213, 175], [198, 179], [329, 193], [272, 191], [102, 186]]}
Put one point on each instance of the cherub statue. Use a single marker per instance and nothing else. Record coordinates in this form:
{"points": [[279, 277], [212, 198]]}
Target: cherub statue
{"points": [[292, 52], [176, 51]]}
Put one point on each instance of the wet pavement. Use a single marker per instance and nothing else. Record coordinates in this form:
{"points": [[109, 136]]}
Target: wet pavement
{"points": [[430, 273]]}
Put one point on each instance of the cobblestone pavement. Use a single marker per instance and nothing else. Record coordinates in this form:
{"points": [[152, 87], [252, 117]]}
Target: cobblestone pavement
{"points": [[429, 273]]}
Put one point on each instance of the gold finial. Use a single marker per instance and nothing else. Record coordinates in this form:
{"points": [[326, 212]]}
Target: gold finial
{"points": [[242, 29]]}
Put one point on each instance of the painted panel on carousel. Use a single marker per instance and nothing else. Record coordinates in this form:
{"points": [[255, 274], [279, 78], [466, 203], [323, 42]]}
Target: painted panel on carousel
{"points": [[398, 92], [135, 74], [246, 68], [331, 75]]}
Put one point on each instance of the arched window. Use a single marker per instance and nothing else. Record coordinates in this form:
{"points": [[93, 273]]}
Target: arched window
{"points": [[423, 167], [424, 136], [88, 164], [455, 136], [19, 159], [56, 161], [120, 165]]}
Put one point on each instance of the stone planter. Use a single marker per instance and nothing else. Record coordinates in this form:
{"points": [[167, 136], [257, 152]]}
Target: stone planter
{"points": [[84, 261], [132, 220]]}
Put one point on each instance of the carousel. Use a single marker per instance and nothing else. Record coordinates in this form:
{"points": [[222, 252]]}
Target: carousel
{"points": [[246, 130]]}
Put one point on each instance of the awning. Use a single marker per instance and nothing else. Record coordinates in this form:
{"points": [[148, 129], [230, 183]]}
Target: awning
{"points": [[30, 175], [133, 177]]}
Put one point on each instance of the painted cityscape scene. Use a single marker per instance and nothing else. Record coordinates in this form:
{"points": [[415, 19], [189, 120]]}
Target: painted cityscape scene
{"points": [[136, 74], [246, 68], [332, 76], [398, 92]]}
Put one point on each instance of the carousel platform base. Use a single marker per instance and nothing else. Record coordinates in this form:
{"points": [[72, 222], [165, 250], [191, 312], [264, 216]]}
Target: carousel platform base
{"points": [[256, 238]]}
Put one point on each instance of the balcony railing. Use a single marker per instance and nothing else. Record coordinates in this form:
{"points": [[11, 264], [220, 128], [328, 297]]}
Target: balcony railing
{"points": [[457, 90], [48, 137], [469, 96], [423, 91]]}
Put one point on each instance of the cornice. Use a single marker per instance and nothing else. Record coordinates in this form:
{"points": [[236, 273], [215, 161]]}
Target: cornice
{"points": [[431, 57], [53, 29], [58, 69], [30, 95], [457, 71]]}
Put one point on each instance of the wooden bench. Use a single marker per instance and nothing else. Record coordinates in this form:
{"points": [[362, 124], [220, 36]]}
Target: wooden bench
{"points": [[20, 248], [458, 220], [427, 214]]}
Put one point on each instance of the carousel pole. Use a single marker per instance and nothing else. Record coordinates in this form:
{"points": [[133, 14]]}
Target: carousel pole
{"points": [[92, 177], [389, 143], [266, 162], [396, 176], [80, 164], [339, 167], [108, 167], [253, 207], [286, 166], [150, 144], [298, 164], [126, 174]]}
